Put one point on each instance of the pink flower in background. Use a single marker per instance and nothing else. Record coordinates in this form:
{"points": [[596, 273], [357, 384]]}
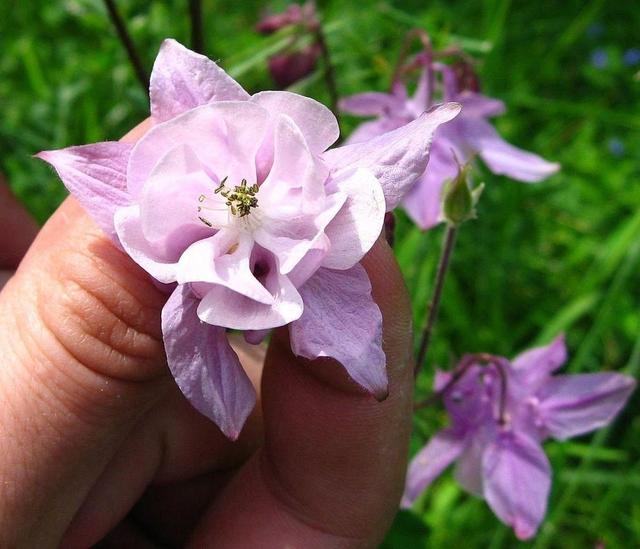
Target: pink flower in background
{"points": [[455, 142], [236, 202], [500, 413]]}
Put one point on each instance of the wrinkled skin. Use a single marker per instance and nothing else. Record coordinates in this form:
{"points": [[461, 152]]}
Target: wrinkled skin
{"points": [[98, 443]]}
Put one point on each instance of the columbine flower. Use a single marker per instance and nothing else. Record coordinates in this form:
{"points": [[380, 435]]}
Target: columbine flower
{"points": [[455, 143], [500, 413], [235, 198]]}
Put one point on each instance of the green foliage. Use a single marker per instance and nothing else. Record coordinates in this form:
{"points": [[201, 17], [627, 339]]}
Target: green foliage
{"points": [[560, 255]]}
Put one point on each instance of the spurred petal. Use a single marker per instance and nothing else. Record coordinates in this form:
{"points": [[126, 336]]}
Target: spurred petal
{"points": [[225, 137], [358, 224], [296, 180], [182, 80], [501, 157], [315, 121], [443, 448], [572, 405], [396, 158], [534, 366], [129, 228], [204, 365], [221, 306], [517, 479], [342, 321], [96, 176], [371, 104], [223, 259]]}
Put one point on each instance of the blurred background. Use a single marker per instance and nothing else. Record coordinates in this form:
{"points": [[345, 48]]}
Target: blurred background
{"points": [[562, 255]]}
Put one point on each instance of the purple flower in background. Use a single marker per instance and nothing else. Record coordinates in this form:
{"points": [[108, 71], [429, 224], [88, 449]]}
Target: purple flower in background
{"points": [[616, 146], [600, 58], [500, 412], [631, 57], [235, 202], [455, 143]]}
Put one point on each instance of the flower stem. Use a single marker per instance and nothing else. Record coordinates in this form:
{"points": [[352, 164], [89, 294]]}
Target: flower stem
{"points": [[434, 305], [413, 34], [127, 42], [329, 74], [197, 34]]}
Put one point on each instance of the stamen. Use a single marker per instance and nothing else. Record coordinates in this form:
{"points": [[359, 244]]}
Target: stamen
{"points": [[240, 201]]}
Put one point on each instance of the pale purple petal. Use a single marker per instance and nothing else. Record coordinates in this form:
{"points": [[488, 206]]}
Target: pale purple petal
{"points": [[371, 104], [315, 121], [501, 157], [169, 203], [571, 405], [478, 105], [224, 136], [423, 203], [96, 176], [129, 228], [221, 306], [223, 259], [517, 480], [358, 224], [396, 158], [311, 262], [534, 366], [204, 365], [295, 183], [468, 470], [182, 80], [368, 130], [443, 448], [342, 321]]}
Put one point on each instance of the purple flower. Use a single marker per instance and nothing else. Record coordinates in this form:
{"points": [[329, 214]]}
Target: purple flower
{"points": [[631, 57], [235, 201], [600, 58], [500, 413], [456, 142]]}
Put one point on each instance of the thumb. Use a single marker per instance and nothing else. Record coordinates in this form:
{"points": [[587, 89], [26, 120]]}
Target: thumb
{"points": [[82, 361]]}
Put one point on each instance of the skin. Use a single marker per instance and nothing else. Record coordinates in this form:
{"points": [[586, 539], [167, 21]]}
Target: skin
{"points": [[98, 444]]}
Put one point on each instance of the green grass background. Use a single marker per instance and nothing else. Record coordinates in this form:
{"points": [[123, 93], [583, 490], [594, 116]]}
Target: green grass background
{"points": [[562, 255]]}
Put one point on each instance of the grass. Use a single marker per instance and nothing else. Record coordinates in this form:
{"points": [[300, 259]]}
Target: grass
{"points": [[563, 255]]}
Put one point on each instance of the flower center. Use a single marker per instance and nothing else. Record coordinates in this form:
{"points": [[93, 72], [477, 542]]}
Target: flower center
{"points": [[240, 200]]}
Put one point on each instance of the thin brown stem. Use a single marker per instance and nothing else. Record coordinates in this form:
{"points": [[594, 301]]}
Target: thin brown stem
{"points": [[457, 373], [412, 35], [197, 28], [434, 305], [127, 42]]}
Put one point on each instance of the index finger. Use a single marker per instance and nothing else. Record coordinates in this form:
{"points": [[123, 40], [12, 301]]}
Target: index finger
{"points": [[333, 464]]}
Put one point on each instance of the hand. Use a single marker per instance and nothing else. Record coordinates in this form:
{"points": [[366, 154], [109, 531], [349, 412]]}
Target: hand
{"points": [[97, 442]]}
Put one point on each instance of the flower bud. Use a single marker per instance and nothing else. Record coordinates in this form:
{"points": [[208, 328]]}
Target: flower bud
{"points": [[460, 198]]}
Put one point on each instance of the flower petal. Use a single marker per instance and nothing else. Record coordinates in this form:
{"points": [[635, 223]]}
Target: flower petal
{"points": [[357, 225], [571, 405], [96, 176], [374, 128], [443, 448], [396, 158], [129, 228], [517, 480], [423, 203], [315, 121], [341, 321], [204, 365], [371, 104], [221, 306], [223, 259], [182, 80], [225, 137], [478, 105], [501, 157], [534, 366], [295, 183], [468, 471]]}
